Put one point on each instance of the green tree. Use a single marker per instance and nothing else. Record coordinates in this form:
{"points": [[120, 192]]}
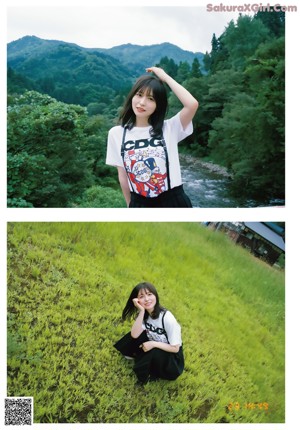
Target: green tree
{"points": [[207, 61], [95, 108], [212, 92], [249, 136], [17, 83], [169, 66], [242, 141], [47, 85], [242, 39], [198, 141], [196, 69], [183, 71], [46, 148], [219, 53], [96, 129], [101, 197], [274, 21]]}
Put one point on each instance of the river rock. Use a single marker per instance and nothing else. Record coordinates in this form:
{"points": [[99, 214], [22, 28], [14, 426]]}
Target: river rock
{"points": [[196, 162]]}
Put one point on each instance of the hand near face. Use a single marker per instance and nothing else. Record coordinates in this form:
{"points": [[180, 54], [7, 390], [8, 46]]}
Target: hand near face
{"points": [[138, 305]]}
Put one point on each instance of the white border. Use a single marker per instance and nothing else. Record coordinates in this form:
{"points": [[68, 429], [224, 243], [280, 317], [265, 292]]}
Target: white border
{"points": [[290, 214]]}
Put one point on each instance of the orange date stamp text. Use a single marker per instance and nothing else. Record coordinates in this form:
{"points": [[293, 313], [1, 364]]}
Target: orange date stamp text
{"points": [[236, 406]]}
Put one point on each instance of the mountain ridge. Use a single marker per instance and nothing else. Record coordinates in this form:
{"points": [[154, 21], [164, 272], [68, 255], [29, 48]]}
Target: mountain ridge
{"points": [[147, 54], [74, 74]]}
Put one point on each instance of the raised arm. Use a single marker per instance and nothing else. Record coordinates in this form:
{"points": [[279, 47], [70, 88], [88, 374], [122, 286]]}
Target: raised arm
{"points": [[137, 328], [190, 104]]}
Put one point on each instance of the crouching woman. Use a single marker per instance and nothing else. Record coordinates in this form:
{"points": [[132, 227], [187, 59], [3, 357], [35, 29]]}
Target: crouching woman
{"points": [[155, 339]]}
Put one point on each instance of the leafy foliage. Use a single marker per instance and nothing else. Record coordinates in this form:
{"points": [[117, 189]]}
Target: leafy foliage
{"points": [[101, 197], [256, 158], [48, 144], [241, 123]]}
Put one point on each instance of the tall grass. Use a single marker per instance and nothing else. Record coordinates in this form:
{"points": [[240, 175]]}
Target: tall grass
{"points": [[67, 286]]}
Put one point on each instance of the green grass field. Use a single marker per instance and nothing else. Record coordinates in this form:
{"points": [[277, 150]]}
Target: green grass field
{"points": [[67, 286]]}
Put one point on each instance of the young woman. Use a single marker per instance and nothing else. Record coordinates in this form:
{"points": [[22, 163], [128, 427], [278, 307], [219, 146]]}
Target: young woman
{"points": [[154, 341], [144, 147]]}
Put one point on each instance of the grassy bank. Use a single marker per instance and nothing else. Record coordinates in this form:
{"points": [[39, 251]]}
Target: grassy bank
{"points": [[67, 286]]}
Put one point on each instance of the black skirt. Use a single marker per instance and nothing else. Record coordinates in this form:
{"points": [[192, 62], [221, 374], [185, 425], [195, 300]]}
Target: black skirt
{"points": [[153, 364], [173, 198]]}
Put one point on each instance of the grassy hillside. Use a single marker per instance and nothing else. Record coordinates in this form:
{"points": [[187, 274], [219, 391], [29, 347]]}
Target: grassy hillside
{"points": [[67, 286]]}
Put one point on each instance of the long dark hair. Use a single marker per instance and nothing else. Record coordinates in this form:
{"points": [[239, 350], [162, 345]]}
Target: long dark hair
{"points": [[130, 309], [150, 84]]}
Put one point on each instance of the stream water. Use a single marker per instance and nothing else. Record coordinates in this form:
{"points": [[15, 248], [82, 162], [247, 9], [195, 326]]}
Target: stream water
{"points": [[207, 184]]}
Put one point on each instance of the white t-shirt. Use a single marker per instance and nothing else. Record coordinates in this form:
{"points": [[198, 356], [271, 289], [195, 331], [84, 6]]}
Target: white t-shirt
{"points": [[145, 158], [156, 332]]}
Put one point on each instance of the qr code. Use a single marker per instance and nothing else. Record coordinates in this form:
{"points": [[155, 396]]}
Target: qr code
{"points": [[18, 411]]}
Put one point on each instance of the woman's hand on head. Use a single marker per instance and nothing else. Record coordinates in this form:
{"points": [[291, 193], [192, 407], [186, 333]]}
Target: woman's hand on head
{"points": [[137, 304], [158, 71]]}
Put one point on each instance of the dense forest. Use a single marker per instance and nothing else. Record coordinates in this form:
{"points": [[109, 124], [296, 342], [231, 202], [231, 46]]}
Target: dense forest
{"points": [[63, 99]]}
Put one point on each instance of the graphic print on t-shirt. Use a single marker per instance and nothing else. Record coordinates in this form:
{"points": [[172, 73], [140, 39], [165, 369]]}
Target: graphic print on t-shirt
{"points": [[145, 163], [156, 333]]}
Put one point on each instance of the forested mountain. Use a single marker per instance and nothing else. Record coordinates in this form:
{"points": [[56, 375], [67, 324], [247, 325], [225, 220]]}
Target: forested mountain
{"points": [[66, 71], [74, 74], [240, 124], [136, 57], [31, 46]]}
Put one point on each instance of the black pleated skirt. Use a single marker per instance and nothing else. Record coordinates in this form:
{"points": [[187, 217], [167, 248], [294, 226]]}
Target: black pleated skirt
{"points": [[173, 198], [153, 364]]}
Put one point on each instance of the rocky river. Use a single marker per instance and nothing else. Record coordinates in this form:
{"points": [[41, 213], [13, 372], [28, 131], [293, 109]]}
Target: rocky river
{"points": [[207, 185]]}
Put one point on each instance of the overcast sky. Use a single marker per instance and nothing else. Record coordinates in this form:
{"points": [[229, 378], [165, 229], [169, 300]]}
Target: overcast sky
{"points": [[191, 28]]}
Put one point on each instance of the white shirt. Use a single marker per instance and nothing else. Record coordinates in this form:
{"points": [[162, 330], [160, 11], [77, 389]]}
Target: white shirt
{"points": [[155, 331], [145, 158]]}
